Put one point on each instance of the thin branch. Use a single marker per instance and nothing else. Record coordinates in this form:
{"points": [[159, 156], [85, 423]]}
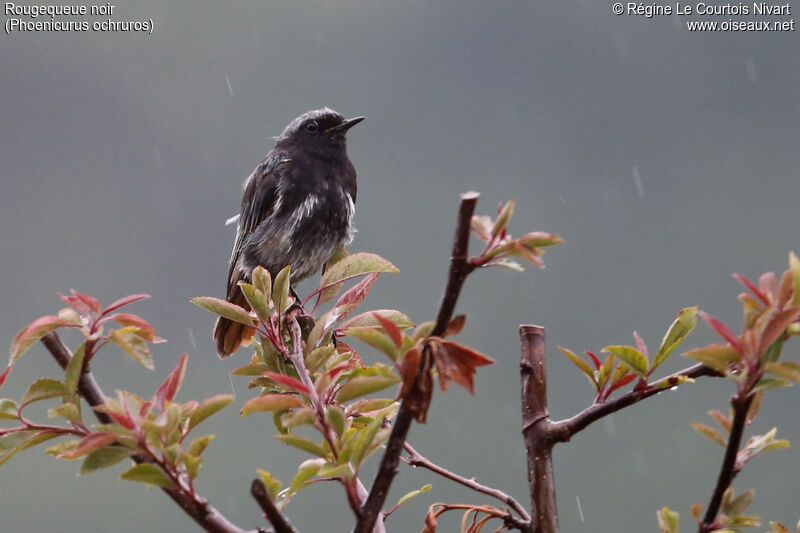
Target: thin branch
{"points": [[204, 514], [273, 514], [564, 430], [459, 269], [537, 431], [728, 470], [417, 459]]}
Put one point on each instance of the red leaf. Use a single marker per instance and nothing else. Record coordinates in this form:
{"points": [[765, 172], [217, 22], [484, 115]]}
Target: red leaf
{"points": [[641, 345], [724, 331], [768, 283], [91, 303], [456, 362], [391, 329], [90, 443], [32, 333], [776, 326], [416, 393], [146, 331], [288, 381], [356, 294], [747, 283], [5, 374], [621, 383], [338, 369], [455, 326], [76, 303], [595, 360], [167, 391], [125, 300]]}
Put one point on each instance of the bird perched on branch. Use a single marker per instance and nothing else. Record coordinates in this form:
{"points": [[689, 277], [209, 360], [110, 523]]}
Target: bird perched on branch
{"points": [[297, 210]]}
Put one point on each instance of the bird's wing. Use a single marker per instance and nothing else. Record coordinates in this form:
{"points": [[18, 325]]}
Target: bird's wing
{"points": [[258, 201]]}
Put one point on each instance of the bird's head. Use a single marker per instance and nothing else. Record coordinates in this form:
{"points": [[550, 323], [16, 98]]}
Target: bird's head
{"points": [[318, 130]]}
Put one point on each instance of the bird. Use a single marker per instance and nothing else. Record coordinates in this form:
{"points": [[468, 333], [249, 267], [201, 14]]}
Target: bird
{"points": [[297, 209]]}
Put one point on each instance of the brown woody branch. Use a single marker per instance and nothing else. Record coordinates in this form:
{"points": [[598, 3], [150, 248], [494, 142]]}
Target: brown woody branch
{"points": [[273, 514], [204, 514], [564, 430], [417, 459], [741, 405], [459, 269]]}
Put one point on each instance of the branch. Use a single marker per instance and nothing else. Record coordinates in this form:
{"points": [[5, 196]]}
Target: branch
{"points": [[273, 514], [564, 430], [537, 430], [204, 514], [459, 269], [741, 405], [416, 459]]}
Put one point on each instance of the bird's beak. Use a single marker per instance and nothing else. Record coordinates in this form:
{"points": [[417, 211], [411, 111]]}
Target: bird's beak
{"points": [[346, 125]]}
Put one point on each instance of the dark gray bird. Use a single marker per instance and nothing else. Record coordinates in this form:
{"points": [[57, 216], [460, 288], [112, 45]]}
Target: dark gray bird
{"points": [[297, 210]]}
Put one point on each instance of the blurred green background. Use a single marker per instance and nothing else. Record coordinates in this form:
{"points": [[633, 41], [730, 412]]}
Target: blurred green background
{"points": [[666, 159]]}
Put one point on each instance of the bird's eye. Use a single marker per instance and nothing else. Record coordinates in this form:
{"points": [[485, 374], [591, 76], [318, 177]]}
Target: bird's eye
{"points": [[312, 127]]}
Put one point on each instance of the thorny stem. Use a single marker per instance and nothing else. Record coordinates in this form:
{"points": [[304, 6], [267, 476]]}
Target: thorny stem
{"points": [[204, 514], [741, 405], [417, 459], [459, 269]]}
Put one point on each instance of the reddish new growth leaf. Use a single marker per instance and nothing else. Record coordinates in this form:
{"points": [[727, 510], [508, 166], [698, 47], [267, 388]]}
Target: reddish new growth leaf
{"points": [[724, 331], [125, 300], [455, 326], [167, 391], [5, 374], [454, 362], [391, 328], [288, 381], [747, 283], [145, 329]]}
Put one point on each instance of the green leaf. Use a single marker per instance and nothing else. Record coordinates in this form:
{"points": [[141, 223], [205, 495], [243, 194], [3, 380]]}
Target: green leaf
{"points": [[413, 494], [771, 383], [503, 218], [667, 520], [375, 338], [70, 411], [72, 374], [711, 433], [280, 289], [42, 389], [368, 320], [540, 239], [30, 334], [224, 309], [794, 266], [273, 485], [305, 472], [351, 266], [631, 357], [716, 356], [336, 418], [319, 356], [786, 369], [134, 346], [582, 365], [364, 441], [683, 324], [147, 473], [363, 385], [193, 465], [270, 402], [262, 281], [103, 458], [304, 444], [8, 409], [256, 300], [739, 504], [198, 445], [208, 407]]}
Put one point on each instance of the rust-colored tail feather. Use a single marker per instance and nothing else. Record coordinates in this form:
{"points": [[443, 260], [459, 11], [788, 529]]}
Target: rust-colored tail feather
{"points": [[229, 334]]}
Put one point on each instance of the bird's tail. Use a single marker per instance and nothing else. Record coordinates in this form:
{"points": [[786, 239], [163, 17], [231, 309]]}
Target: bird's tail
{"points": [[229, 334]]}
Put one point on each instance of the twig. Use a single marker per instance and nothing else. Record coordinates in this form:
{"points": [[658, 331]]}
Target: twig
{"points": [[741, 405], [204, 514], [536, 428], [563, 430], [273, 514], [459, 269], [417, 459]]}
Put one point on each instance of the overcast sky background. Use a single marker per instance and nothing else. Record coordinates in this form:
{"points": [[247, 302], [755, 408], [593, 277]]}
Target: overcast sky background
{"points": [[121, 156]]}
